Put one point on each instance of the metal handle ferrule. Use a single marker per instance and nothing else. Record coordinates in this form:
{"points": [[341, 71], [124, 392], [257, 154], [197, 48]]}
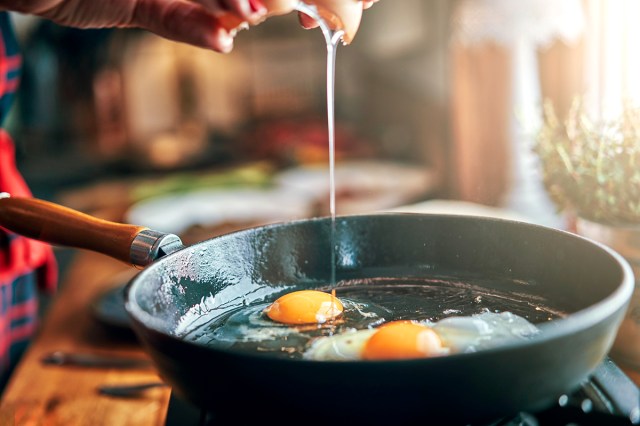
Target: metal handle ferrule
{"points": [[150, 245]]}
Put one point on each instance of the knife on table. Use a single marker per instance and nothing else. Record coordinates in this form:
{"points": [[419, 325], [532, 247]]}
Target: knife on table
{"points": [[93, 361]]}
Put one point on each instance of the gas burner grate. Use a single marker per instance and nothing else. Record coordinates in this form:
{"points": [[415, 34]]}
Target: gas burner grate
{"points": [[608, 398]]}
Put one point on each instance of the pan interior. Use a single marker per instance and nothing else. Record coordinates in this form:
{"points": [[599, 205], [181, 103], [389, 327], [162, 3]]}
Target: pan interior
{"points": [[369, 303], [428, 266]]}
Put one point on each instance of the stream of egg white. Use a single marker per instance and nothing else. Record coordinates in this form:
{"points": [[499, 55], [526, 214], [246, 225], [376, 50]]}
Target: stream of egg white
{"points": [[332, 39], [332, 44]]}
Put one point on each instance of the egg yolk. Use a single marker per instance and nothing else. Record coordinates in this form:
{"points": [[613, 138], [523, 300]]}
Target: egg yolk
{"points": [[403, 340], [305, 307]]}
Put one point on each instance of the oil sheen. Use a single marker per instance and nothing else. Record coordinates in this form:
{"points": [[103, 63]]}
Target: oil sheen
{"points": [[369, 303]]}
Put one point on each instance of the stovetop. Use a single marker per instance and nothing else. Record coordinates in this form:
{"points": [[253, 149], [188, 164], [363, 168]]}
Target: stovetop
{"points": [[608, 398]]}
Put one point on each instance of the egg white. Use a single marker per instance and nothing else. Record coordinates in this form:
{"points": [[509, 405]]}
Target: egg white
{"points": [[459, 334], [482, 331], [339, 347]]}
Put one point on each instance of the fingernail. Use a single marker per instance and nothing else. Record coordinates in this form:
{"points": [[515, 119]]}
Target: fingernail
{"points": [[306, 22], [258, 11], [221, 40], [226, 44], [257, 7]]}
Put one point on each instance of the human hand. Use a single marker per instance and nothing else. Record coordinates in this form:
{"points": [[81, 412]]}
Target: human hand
{"points": [[194, 22], [308, 23]]}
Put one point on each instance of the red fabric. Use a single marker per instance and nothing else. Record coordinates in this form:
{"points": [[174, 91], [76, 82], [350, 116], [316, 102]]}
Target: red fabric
{"points": [[24, 255]]}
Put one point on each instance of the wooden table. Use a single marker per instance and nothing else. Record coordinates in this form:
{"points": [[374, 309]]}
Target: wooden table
{"points": [[61, 395], [51, 395], [55, 395]]}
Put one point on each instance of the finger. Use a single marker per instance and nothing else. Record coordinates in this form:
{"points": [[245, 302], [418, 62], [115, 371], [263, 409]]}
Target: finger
{"points": [[241, 8], [258, 6], [368, 4], [306, 21], [182, 21], [252, 11]]}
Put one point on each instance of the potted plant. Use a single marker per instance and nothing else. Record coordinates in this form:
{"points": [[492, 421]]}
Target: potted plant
{"points": [[591, 171]]}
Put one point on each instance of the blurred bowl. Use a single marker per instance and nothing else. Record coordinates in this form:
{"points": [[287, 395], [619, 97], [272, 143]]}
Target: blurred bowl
{"points": [[203, 213], [361, 186]]}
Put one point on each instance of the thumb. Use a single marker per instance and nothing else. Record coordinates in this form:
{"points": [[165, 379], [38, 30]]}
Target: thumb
{"points": [[182, 21]]}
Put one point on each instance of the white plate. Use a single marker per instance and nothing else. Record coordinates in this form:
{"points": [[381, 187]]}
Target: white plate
{"points": [[361, 186], [176, 213], [464, 208]]}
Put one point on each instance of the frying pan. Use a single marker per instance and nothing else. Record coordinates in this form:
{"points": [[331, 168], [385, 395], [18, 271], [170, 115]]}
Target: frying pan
{"points": [[588, 282]]}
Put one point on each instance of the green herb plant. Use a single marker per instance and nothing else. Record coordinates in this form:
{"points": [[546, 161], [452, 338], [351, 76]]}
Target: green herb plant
{"points": [[592, 169]]}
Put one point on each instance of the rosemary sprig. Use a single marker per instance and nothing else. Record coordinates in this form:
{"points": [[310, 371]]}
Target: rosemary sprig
{"points": [[592, 169]]}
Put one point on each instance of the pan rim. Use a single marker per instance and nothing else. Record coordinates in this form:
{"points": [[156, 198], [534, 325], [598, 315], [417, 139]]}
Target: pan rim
{"points": [[572, 323]]}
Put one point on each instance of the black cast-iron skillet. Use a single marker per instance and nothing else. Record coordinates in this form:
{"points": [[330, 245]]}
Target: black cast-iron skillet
{"points": [[588, 282]]}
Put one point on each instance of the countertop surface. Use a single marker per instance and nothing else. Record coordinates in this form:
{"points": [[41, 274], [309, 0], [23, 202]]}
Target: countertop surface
{"points": [[41, 394]]}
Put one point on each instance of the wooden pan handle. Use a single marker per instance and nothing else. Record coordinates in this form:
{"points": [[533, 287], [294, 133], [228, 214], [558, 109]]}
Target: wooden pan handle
{"points": [[55, 224]]}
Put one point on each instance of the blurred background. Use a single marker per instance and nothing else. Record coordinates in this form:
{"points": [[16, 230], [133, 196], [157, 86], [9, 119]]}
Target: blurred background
{"points": [[521, 109], [434, 100]]}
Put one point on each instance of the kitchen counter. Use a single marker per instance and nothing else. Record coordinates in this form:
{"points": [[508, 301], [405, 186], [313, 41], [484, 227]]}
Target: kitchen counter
{"points": [[61, 395], [65, 395], [41, 394]]}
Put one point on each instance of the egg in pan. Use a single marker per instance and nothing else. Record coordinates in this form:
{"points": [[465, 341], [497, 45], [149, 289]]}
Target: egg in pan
{"points": [[290, 323], [409, 339], [396, 339], [317, 325]]}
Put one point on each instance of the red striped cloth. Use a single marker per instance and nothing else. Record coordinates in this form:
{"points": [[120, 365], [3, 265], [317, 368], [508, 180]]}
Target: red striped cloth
{"points": [[25, 265], [22, 255]]}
